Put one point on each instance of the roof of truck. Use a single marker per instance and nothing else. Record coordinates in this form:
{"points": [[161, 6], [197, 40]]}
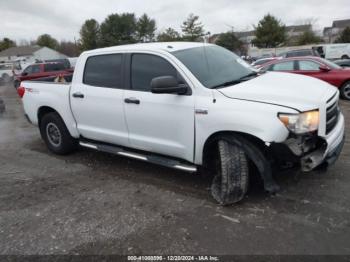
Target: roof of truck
{"points": [[165, 46]]}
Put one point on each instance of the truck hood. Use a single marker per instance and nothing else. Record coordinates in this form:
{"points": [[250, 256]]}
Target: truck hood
{"points": [[299, 92]]}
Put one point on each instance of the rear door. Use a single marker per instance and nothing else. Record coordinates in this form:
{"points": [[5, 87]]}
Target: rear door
{"points": [[97, 100], [159, 123]]}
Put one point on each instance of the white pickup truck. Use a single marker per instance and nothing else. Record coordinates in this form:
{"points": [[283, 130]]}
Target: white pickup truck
{"points": [[189, 106]]}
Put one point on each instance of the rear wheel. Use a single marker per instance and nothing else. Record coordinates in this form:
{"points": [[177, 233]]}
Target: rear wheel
{"points": [[230, 183], [345, 90], [56, 135]]}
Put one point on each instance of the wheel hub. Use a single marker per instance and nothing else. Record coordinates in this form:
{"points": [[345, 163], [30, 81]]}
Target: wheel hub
{"points": [[53, 134]]}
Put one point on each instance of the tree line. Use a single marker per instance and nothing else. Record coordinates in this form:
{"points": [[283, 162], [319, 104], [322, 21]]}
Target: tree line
{"points": [[118, 29], [126, 28]]}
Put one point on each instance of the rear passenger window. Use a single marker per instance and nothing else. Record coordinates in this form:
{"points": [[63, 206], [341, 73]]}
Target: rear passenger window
{"points": [[104, 71], [145, 67], [285, 66]]}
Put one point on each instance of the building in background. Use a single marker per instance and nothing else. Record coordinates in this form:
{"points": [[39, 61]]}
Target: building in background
{"points": [[295, 31], [330, 34], [29, 54]]}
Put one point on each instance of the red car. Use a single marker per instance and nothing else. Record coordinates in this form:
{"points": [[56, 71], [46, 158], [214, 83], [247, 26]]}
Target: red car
{"points": [[315, 67], [42, 70]]}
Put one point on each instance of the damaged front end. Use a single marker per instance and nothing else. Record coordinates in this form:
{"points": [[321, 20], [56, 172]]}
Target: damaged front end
{"points": [[307, 150]]}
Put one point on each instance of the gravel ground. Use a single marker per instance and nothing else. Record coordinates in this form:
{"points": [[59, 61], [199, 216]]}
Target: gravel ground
{"points": [[96, 203]]}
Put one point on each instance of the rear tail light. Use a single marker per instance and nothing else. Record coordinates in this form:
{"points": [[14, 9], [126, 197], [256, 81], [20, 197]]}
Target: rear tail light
{"points": [[20, 91]]}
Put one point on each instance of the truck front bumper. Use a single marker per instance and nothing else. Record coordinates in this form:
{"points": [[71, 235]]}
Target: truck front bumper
{"points": [[312, 150], [330, 151]]}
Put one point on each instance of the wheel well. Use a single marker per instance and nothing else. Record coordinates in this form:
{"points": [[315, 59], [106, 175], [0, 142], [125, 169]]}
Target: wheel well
{"points": [[214, 138], [43, 111], [347, 80]]}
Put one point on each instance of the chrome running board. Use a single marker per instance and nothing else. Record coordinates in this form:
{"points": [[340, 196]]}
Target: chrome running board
{"points": [[154, 159]]}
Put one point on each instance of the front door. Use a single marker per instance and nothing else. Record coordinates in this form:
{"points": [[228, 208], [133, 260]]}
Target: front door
{"points": [[159, 123], [311, 68]]}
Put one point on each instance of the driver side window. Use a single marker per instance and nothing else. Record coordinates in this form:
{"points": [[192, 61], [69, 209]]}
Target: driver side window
{"points": [[308, 66], [35, 69], [145, 67], [28, 70]]}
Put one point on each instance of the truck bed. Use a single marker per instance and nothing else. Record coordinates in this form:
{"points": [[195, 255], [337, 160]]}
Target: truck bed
{"points": [[45, 94]]}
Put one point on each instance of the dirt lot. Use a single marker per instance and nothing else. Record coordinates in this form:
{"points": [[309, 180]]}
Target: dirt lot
{"points": [[96, 203]]}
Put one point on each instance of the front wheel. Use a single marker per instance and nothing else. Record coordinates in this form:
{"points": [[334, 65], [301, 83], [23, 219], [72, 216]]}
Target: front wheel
{"points": [[230, 184], [345, 91], [56, 135]]}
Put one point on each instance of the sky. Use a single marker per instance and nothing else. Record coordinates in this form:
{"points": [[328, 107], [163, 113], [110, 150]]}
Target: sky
{"points": [[27, 19]]}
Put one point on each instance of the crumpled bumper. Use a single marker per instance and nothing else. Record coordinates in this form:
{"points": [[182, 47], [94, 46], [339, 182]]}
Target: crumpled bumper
{"points": [[330, 151]]}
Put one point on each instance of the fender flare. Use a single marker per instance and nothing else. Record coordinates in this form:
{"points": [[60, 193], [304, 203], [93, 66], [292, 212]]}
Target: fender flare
{"points": [[254, 149]]}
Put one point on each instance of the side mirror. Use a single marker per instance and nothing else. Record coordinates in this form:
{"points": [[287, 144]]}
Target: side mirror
{"points": [[324, 69], [167, 85], [24, 74]]}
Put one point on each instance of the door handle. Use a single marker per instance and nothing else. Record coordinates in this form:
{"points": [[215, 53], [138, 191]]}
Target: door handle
{"points": [[132, 101], [78, 95]]}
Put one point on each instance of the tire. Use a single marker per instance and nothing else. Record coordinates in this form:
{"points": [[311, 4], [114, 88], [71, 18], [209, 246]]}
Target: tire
{"points": [[56, 135], [16, 84], [345, 91], [230, 184], [345, 57]]}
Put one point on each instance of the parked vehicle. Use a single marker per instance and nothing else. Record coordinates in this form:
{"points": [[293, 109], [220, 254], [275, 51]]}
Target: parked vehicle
{"points": [[301, 52], [327, 51], [316, 67], [41, 70], [343, 62], [189, 106], [335, 51], [63, 61], [6, 72], [259, 63]]}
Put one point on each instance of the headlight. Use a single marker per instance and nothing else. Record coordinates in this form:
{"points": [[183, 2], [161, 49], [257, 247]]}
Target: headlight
{"points": [[301, 123]]}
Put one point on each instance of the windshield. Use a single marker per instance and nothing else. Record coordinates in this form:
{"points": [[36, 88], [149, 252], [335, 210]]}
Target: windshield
{"points": [[213, 65], [330, 64]]}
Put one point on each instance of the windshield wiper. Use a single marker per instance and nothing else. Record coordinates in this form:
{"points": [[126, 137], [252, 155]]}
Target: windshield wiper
{"points": [[236, 81]]}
